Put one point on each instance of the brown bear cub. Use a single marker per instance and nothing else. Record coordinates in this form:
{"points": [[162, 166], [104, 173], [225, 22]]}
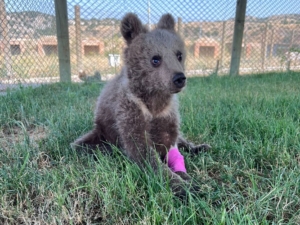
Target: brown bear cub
{"points": [[137, 111]]}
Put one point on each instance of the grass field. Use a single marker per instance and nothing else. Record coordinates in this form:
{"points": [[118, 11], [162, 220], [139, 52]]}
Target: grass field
{"points": [[251, 175]]}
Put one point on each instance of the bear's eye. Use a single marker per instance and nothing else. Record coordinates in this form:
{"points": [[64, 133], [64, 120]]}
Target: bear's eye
{"points": [[156, 61], [179, 56]]}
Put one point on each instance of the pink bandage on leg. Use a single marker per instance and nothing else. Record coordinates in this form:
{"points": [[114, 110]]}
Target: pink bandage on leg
{"points": [[175, 160]]}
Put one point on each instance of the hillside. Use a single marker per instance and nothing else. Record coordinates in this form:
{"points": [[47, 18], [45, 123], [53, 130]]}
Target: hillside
{"points": [[31, 24]]}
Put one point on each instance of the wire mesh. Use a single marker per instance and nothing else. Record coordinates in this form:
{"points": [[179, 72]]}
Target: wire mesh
{"points": [[28, 43]]}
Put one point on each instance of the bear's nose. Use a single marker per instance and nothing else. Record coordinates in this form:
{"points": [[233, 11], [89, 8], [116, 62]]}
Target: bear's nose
{"points": [[179, 80]]}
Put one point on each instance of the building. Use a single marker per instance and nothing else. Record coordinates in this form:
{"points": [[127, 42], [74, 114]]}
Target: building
{"points": [[47, 45], [207, 47], [92, 47], [17, 46]]}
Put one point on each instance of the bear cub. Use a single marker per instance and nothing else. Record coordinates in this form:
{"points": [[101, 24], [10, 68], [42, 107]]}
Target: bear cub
{"points": [[137, 111]]}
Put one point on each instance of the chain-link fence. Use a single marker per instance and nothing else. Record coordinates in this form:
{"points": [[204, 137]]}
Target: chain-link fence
{"points": [[27, 42], [29, 52]]}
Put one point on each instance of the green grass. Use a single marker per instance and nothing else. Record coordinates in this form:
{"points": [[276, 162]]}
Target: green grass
{"points": [[251, 175]]}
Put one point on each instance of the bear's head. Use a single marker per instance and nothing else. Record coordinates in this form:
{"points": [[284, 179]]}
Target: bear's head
{"points": [[154, 59]]}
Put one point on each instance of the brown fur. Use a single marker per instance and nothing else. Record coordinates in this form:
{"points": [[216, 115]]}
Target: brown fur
{"points": [[138, 110]]}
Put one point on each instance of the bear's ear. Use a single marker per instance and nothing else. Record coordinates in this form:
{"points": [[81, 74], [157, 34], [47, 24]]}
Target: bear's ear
{"points": [[167, 22], [131, 27]]}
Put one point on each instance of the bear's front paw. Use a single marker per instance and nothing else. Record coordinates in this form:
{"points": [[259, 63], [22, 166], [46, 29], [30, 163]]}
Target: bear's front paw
{"points": [[200, 149], [184, 176], [182, 191]]}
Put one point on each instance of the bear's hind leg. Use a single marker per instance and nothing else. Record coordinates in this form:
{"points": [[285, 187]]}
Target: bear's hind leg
{"points": [[90, 142], [190, 147]]}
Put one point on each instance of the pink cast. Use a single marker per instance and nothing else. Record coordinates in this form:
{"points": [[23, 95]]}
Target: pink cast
{"points": [[175, 160]]}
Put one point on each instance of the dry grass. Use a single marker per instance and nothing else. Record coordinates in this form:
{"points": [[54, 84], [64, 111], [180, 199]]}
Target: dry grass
{"points": [[16, 135]]}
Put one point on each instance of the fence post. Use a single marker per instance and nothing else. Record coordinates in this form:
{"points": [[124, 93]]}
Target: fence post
{"points": [[217, 68], [222, 44], [180, 26], [238, 36], [291, 44], [149, 14], [5, 37], [288, 66], [61, 14], [271, 43], [264, 46], [292, 39], [78, 39]]}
